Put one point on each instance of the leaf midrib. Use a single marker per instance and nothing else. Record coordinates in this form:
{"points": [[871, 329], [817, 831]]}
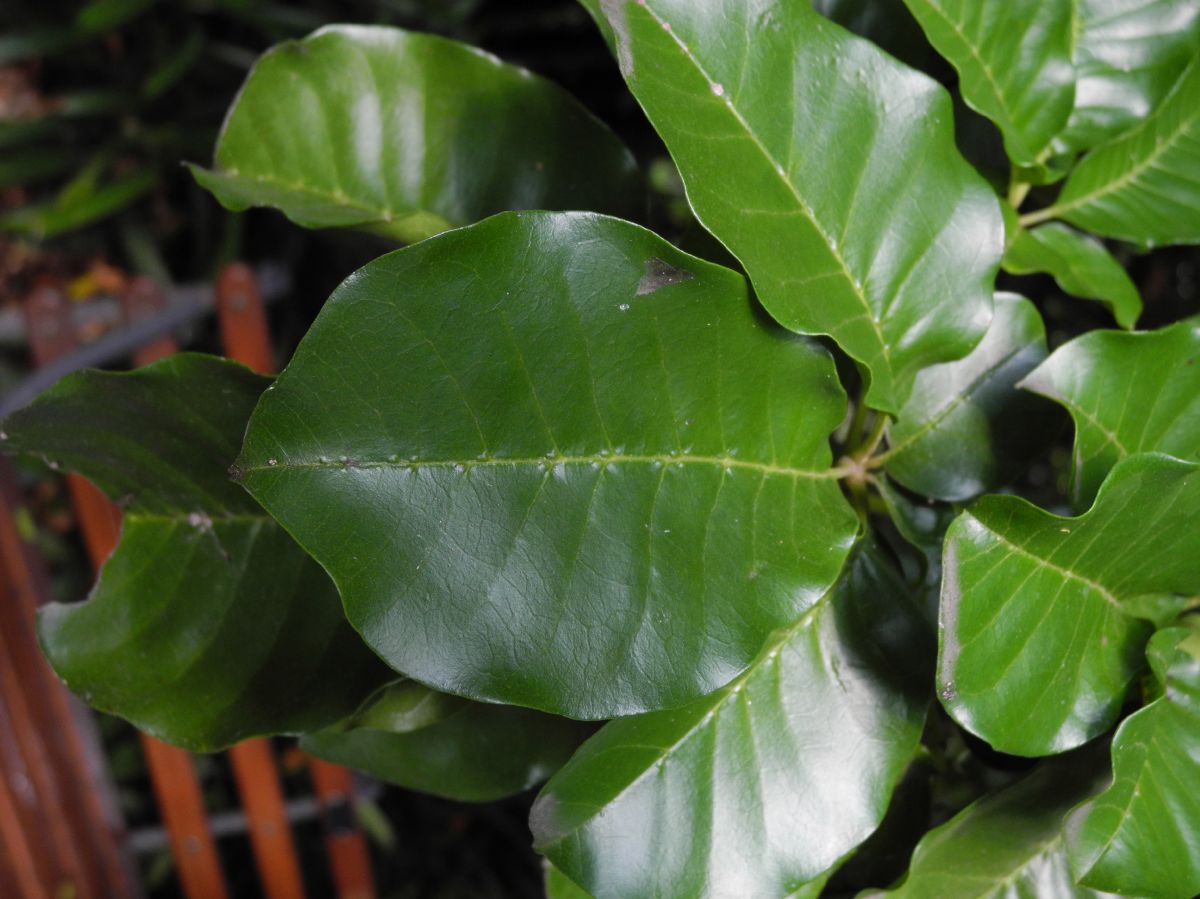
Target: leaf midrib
{"points": [[777, 170], [551, 461]]}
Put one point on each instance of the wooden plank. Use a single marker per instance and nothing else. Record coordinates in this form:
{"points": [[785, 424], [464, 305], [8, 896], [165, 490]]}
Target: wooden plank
{"points": [[242, 320], [51, 791]]}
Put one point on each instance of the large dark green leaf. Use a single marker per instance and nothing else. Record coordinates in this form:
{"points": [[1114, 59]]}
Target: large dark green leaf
{"points": [[553, 461], [1038, 639], [410, 735], [761, 787], [1127, 393], [1009, 843], [208, 623], [1128, 53], [828, 168], [1143, 187], [410, 134], [966, 428], [1138, 837], [1014, 64], [1080, 264]]}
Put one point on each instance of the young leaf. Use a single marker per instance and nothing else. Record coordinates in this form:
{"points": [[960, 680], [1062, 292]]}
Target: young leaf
{"points": [[1138, 837], [966, 428], [1128, 53], [764, 785], [553, 461], [409, 134], [208, 624], [1009, 843], [1038, 639], [1080, 264], [828, 169], [1127, 393], [409, 735], [1142, 188], [1014, 64]]}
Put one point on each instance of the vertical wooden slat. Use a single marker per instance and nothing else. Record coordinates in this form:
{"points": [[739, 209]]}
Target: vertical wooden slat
{"points": [[70, 837], [172, 774], [244, 337], [242, 320], [349, 861]]}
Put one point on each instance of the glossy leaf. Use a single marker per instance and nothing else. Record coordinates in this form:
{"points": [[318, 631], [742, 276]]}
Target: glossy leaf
{"points": [[1009, 843], [1080, 265], [409, 134], [828, 169], [1127, 394], [1014, 64], [966, 428], [208, 623], [1143, 187], [761, 787], [551, 460], [1138, 837], [1128, 53], [411, 736], [1038, 643]]}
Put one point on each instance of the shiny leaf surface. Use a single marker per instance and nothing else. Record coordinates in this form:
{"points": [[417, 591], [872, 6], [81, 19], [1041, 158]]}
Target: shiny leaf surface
{"points": [[761, 787], [410, 134], [551, 460], [1009, 843], [1128, 53], [1080, 265], [1127, 393], [1038, 643], [410, 735], [828, 169], [1144, 187], [208, 623], [1014, 64], [966, 428], [1138, 837]]}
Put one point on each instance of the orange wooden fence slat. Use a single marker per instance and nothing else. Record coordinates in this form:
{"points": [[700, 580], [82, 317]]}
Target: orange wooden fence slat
{"points": [[242, 320]]}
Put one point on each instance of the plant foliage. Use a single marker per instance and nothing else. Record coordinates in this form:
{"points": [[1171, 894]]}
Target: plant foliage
{"points": [[559, 470]]}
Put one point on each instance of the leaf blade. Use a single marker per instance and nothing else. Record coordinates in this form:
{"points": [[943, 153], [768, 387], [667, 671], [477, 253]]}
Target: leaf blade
{"points": [[1038, 643], [756, 179], [362, 126], [547, 400]]}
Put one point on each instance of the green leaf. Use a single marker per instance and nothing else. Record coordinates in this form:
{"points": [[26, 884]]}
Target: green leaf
{"points": [[966, 428], [1127, 393], [1142, 188], [1128, 53], [1080, 264], [1038, 646], [550, 460], [828, 169], [412, 736], [410, 134], [1138, 837], [72, 211], [1014, 64], [560, 886], [761, 787], [1009, 843], [208, 623]]}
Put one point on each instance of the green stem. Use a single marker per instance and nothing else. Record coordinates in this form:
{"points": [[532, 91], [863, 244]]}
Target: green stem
{"points": [[1041, 215], [1018, 190]]}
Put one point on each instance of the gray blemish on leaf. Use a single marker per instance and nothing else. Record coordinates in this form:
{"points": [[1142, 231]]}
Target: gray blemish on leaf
{"points": [[614, 12], [661, 274]]}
